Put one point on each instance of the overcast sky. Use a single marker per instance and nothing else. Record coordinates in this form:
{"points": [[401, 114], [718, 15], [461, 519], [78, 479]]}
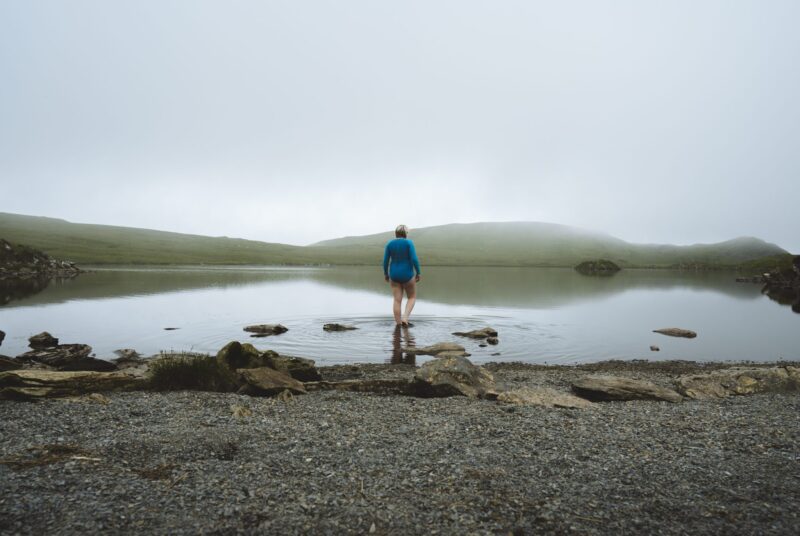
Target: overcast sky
{"points": [[298, 121]]}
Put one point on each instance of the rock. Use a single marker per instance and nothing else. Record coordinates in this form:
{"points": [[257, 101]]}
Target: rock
{"points": [[598, 267], [30, 384], [170, 329], [453, 376], [338, 327], [265, 330], [2, 337], [129, 358], [676, 332], [265, 381], [23, 262], [542, 396], [655, 349], [492, 340], [739, 381], [235, 355], [604, 388], [477, 333], [388, 386], [299, 368], [8, 363], [69, 357], [483, 345], [42, 340], [436, 349]]}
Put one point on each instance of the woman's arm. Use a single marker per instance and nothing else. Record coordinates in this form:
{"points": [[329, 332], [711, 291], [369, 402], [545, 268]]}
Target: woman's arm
{"points": [[386, 261], [414, 258]]}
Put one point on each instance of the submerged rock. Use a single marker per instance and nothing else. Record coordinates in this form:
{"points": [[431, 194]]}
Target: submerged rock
{"points": [[676, 332], [542, 396], [739, 381], [265, 330], [453, 376], [265, 381], [42, 340], [492, 340], [30, 384], [477, 333], [338, 327], [655, 349], [69, 357], [604, 388], [451, 348]]}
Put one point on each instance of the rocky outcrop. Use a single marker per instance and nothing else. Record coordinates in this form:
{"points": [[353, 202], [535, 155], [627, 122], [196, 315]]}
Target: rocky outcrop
{"points": [[542, 396], [606, 388], [299, 368], [438, 350], [598, 267], [739, 381], [23, 262], [2, 337], [676, 332], [338, 327], [265, 381], [477, 333], [68, 357], [31, 384], [7, 363], [453, 376], [265, 330], [42, 340], [235, 355]]}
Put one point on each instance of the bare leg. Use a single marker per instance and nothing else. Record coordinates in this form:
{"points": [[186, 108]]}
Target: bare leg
{"points": [[397, 292], [411, 294]]}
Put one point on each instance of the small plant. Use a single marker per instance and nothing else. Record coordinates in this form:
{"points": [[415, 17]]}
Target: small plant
{"points": [[192, 372]]}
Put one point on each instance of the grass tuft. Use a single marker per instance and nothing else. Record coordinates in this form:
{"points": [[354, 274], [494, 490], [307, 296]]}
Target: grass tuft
{"points": [[190, 372]]}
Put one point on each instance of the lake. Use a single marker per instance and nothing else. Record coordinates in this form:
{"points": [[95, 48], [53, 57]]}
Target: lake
{"points": [[544, 315]]}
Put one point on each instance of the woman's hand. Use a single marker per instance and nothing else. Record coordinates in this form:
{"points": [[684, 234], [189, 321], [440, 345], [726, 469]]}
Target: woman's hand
{"points": [[417, 278], [386, 277]]}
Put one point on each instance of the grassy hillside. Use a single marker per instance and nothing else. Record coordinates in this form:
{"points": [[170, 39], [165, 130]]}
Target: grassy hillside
{"points": [[477, 244]]}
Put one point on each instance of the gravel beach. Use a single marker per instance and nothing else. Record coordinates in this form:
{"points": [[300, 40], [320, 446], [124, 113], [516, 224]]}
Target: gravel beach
{"points": [[338, 462]]}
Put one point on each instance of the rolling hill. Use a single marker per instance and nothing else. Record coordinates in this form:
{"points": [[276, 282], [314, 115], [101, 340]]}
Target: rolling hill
{"points": [[476, 244]]}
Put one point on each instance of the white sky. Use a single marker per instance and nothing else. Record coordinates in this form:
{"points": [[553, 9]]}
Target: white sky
{"points": [[299, 121]]}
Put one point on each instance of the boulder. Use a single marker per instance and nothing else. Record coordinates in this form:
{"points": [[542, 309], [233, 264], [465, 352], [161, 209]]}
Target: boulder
{"points": [[604, 388], [453, 376], [542, 396], [69, 357], [477, 333], [235, 355], [30, 384], [42, 340], [129, 358], [676, 332], [8, 363], [299, 368], [338, 327], [436, 349], [739, 381], [2, 336], [265, 381], [265, 330], [655, 349]]}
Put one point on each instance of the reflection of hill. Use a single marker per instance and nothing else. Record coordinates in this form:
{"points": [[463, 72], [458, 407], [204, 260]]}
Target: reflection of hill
{"points": [[499, 287]]}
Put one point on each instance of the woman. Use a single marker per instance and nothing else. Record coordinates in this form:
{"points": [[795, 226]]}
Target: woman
{"points": [[399, 264]]}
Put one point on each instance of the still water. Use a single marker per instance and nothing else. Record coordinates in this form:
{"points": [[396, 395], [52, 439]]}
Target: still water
{"points": [[542, 314]]}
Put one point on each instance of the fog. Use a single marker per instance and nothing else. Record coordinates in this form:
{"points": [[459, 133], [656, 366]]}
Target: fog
{"points": [[299, 121]]}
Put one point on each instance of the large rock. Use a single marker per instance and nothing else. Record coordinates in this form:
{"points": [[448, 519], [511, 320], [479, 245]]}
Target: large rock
{"points": [[477, 333], [42, 340], [453, 376], [299, 368], [338, 327], [31, 384], [542, 396], [739, 381], [677, 332], [2, 336], [265, 381], [69, 357], [265, 330], [603, 388], [435, 349], [236, 355]]}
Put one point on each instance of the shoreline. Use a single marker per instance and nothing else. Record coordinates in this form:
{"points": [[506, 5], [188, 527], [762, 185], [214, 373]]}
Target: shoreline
{"points": [[186, 462]]}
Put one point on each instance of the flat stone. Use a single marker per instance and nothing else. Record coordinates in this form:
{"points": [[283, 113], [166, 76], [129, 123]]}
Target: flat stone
{"points": [[477, 333], [436, 349], [31, 384], [542, 396], [338, 327], [606, 388], [265, 381], [69, 357], [265, 330], [453, 376], [739, 381], [676, 332], [42, 340]]}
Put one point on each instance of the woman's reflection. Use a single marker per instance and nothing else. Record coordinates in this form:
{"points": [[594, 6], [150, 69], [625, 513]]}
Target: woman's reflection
{"points": [[402, 338]]}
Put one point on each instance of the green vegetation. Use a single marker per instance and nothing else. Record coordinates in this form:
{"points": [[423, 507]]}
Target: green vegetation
{"points": [[598, 267], [192, 372], [475, 244]]}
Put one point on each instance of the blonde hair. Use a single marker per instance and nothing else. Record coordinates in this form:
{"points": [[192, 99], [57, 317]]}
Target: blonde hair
{"points": [[401, 231]]}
